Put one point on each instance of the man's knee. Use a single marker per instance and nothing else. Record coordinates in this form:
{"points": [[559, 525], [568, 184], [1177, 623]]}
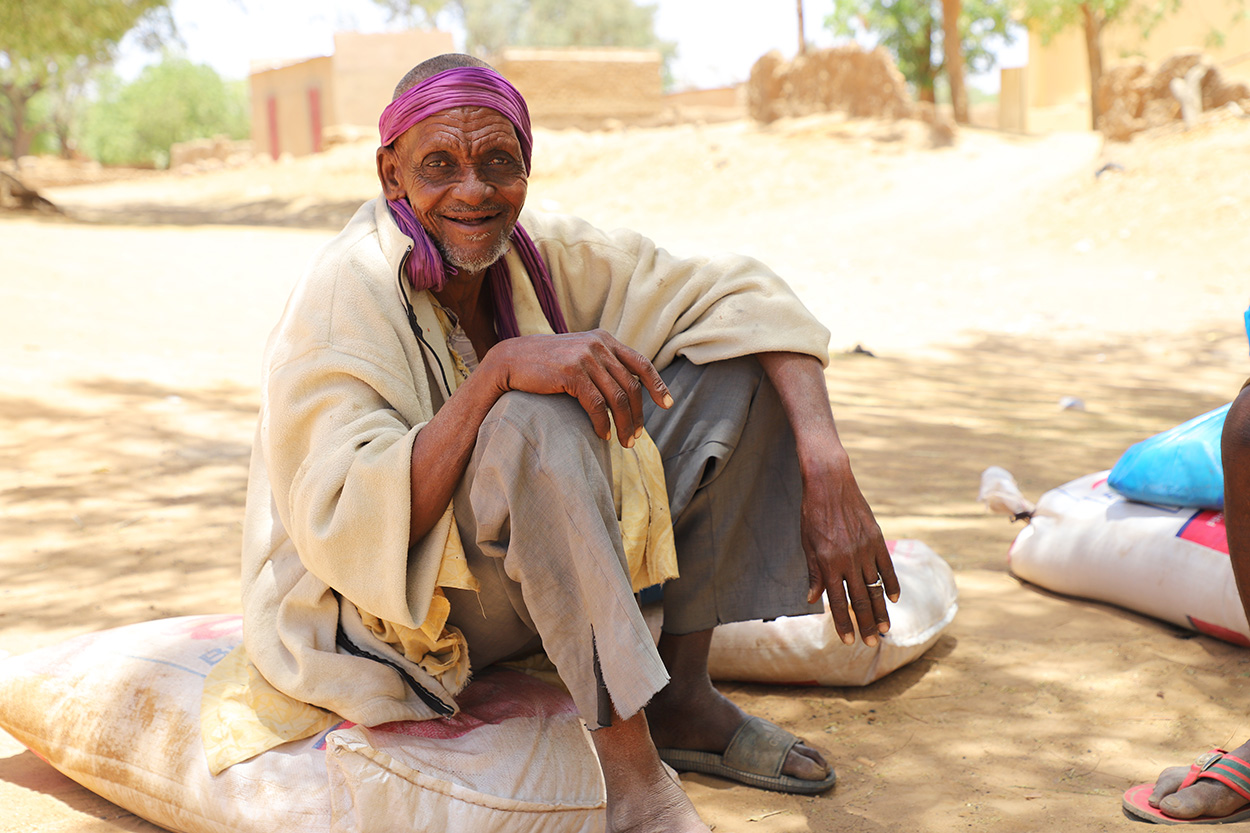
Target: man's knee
{"points": [[528, 434], [539, 417]]}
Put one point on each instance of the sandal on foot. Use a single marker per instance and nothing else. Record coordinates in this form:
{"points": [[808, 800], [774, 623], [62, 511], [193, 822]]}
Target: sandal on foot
{"points": [[754, 757], [1216, 765]]}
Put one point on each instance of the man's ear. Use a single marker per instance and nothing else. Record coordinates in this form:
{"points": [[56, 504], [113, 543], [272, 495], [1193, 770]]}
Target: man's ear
{"points": [[388, 174]]}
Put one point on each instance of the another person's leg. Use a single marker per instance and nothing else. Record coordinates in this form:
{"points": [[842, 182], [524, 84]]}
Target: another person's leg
{"points": [[1213, 796], [734, 489], [536, 516], [1205, 797]]}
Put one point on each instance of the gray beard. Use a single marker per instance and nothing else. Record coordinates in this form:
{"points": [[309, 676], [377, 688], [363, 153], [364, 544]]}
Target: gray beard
{"points": [[465, 263]]}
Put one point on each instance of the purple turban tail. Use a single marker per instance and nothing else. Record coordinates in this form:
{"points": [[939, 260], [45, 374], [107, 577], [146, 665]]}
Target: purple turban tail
{"points": [[470, 87]]}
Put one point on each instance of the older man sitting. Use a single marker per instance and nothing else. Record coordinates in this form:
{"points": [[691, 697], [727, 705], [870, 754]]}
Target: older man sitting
{"points": [[480, 436]]}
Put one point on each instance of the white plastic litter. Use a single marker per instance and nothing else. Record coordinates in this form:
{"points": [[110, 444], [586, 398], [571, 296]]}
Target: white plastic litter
{"points": [[1000, 493], [1164, 561]]}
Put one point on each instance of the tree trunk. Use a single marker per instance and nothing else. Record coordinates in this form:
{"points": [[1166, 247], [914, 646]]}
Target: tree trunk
{"points": [[924, 66], [62, 130], [19, 96], [802, 31], [1093, 47], [22, 135], [7, 92], [953, 59]]}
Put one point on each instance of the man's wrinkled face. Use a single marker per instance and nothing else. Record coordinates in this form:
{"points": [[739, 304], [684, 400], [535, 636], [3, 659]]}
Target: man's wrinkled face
{"points": [[462, 172]]}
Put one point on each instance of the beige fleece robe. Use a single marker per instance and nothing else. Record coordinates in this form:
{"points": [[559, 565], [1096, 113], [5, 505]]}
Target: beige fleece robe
{"points": [[347, 385]]}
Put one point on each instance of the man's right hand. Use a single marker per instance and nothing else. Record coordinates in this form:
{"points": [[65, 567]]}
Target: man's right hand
{"points": [[601, 373]]}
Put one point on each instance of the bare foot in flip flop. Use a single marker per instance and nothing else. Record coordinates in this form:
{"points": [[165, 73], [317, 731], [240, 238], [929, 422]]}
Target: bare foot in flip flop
{"points": [[689, 717], [1205, 797], [1213, 790]]}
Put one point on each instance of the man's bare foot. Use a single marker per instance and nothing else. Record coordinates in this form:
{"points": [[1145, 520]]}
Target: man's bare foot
{"points": [[642, 796], [689, 713], [1203, 798]]}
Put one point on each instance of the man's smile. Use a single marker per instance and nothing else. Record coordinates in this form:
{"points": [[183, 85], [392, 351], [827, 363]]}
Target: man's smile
{"points": [[474, 224], [472, 219]]}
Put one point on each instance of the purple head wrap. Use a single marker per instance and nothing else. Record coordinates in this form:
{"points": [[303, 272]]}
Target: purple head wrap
{"points": [[469, 87]]}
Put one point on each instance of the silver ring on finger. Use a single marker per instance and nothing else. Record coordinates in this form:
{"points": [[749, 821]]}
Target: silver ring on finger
{"points": [[879, 584]]}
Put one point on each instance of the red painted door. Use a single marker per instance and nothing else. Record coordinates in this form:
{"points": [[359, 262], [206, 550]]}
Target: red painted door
{"points": [[272, 107], [314, 117]]}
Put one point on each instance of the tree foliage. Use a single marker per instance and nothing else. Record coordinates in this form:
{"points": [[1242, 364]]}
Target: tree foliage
{"points": [[36, 29], [581, 23], [171, 101], [491, 25], [912, 31], [413, 13], [50, 45], [1049, 17]]}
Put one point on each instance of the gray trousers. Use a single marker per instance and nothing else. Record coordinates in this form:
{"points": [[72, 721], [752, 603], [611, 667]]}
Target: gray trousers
{"points": [[536, 515]]}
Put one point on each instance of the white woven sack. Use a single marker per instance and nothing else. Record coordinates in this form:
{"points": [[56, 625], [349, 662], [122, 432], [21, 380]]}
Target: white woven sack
{"points": [[119, 712], [806, 650], [516, 758], [1169, 562]]}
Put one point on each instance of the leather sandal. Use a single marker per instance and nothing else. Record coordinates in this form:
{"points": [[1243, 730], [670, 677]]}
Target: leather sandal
{"points": [[755, 756]]}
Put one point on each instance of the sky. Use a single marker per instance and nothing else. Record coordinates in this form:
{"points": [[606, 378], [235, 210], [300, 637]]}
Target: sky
{"points": [[717, 40]]}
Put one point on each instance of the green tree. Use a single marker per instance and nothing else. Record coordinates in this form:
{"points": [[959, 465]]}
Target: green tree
{"points": [[413, 13], [581, 23], [172, 101], [912, 31], [65, 103], [1050, 17], [953, 58], [490, 25], [44, 44]]}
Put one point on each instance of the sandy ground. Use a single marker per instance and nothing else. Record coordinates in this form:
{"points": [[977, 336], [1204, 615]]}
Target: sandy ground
{"points": [[990, 279]]}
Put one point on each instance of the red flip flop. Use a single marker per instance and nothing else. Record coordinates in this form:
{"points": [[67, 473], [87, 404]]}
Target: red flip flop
{"points": [[1216, 765]]}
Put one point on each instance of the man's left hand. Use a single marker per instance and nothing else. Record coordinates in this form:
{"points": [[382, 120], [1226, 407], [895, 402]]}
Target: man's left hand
{"points": [[846, 553]]}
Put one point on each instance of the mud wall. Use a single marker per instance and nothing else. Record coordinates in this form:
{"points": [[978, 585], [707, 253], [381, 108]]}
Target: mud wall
{"points": [[585, 88], [848, 79], [209, 154], [1133, 98]]}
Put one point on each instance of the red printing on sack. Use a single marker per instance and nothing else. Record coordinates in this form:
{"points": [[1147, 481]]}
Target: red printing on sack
{"points": [[1219, 632], [1206, 528], [490, 700]]}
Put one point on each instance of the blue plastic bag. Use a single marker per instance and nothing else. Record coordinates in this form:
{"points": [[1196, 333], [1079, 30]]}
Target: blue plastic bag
{"points": [[1179, 467]]}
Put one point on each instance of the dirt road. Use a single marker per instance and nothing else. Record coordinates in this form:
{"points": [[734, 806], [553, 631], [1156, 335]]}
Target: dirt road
{"points": [[989, 279]]}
